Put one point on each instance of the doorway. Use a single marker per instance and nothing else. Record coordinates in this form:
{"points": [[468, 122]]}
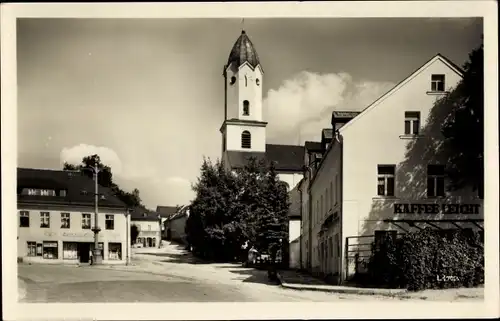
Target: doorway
{"points": [[84, 252]]}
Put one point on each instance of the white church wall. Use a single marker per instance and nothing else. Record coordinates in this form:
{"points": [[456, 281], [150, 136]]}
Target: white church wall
{"points": [[258, 138]]}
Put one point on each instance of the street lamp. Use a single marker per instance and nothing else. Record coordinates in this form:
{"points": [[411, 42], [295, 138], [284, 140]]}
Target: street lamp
{"points": [[96, 254]]}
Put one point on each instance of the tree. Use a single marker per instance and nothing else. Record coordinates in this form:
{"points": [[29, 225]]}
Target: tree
{"points": [[105, 179], [134, 233], [272, 215], [464, 127]]}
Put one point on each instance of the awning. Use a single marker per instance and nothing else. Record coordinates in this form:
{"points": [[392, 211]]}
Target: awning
{"points": [[433, 223]]}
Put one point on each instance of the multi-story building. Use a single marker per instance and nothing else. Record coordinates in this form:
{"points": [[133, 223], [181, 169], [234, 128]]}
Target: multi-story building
{"points": [[148, 225], [165, 212], [384, 173], [56, 212]]}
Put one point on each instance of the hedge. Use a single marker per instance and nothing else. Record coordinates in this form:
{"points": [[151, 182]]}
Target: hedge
{"points": [[428, 260]]}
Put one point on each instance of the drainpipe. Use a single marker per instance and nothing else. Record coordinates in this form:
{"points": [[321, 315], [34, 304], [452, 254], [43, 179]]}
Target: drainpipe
{"points": [[339, 139], [127, 217], [299, 188]]}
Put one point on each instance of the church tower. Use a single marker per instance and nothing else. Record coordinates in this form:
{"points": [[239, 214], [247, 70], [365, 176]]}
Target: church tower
{"points": [[243, 128]]}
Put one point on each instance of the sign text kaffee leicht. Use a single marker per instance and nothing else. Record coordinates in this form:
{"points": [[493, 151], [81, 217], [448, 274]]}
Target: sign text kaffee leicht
{"points": [[417, 208]]}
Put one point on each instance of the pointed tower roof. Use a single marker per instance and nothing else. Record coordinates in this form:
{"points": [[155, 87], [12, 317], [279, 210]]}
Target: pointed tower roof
{"points": [[243, 51]]}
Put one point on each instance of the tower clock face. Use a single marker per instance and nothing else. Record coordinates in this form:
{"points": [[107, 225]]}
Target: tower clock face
{"points": [[233, 80]]}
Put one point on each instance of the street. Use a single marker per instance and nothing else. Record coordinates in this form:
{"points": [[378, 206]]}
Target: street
{"points": [[169, 274]]}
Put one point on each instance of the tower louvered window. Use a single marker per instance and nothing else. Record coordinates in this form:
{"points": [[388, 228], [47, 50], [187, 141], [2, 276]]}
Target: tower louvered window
{"points": [[246, 139]]}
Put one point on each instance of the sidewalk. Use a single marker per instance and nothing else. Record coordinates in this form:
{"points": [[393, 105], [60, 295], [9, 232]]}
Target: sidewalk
{"points": [[299, 281]]}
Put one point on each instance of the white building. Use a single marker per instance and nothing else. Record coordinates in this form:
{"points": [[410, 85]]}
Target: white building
{"points": [[175, 225], [381, 158], [149, 226], [244, 130]]}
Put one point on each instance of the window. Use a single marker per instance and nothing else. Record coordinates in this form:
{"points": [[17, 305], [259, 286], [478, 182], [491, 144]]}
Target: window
{"points": [[437, 83], [50, 250], [412, 122], [65, 221], [114, 251], [246, 81], [62, 193], [246, 108], [257, 82], [39, 192], [382, 236], [24, 219], [332, 252], [110, 222], [149, 227], [70, 251], [31, 249], [386, 180], [246, 139], [233, 80], [45, 219], [435, 180], [322, 207], [86, 221]]}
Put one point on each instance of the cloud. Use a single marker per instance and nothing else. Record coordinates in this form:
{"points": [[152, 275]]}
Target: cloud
{"points": [[128, 172], [301, 107], [74, 155]]}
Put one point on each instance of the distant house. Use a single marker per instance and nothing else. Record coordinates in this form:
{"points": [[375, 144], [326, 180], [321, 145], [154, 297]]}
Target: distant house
{"points": [[165, 212], [294, 221], [175, 225], [149, 226]]}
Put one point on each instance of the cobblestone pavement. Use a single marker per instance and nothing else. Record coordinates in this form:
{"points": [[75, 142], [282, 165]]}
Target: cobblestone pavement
{"points": [[160, 275]]}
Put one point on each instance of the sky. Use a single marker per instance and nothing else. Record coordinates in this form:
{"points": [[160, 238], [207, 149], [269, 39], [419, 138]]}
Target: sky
{"points": [[147, 95]]}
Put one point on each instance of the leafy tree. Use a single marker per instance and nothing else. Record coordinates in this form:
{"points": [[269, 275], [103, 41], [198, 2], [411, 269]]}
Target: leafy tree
{"points": [[134, 233], [464, 126], [105, 178], [272, 220]]}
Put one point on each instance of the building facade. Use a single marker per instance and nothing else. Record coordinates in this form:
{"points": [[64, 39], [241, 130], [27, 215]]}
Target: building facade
{"points": [[149, 227], [175, 226], [56, 214], [165, 212], [384, 173]]}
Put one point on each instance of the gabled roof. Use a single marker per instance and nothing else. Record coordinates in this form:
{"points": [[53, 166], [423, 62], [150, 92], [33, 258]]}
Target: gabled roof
{"points": [[167, 211], [80, 189], [141, 213], [437, 57], [294, 209], [289, 158]]}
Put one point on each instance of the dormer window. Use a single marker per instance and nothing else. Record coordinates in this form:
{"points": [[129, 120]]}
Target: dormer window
{"points": [[437, 83], [246, 139], [246, 108]]}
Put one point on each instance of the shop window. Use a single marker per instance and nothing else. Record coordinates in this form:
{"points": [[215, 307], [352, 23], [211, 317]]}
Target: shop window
{"points": [[31, 249], [115, 251], [50, 250], [110, 222], [70, 250], [24, 219]]}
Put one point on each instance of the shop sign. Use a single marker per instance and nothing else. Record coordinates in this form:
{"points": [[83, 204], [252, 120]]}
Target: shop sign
{"points": [[73, 234], [49, 244], [417, 208]]}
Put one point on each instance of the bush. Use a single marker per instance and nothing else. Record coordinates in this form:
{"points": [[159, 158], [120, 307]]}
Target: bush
{"points": [[428, 260]]}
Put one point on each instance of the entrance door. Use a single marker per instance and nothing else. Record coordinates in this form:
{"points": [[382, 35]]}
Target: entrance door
{"points": [[83, 252]]}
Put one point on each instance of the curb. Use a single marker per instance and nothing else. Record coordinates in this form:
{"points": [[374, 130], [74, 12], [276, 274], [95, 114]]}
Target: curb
{"points": [[359, 291]]}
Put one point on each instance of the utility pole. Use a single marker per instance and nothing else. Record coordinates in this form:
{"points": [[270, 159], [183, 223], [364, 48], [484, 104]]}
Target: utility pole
{"points": [[97, 253]]}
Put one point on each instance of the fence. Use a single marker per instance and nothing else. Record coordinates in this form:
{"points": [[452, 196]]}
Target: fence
{"points": [[358, 250]]}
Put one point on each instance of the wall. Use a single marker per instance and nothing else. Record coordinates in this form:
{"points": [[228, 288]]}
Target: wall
{"points": [[148, 229], [294, 254], [177, 227], [34, 233], [242, 90], [366, 141], [292, 179], [258, 138], [325, 198]]}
